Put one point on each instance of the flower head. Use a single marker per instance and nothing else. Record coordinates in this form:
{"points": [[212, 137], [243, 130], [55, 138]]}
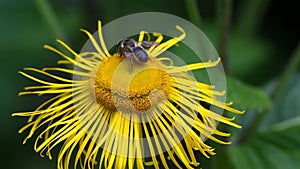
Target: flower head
{"points": [[109, 115]]}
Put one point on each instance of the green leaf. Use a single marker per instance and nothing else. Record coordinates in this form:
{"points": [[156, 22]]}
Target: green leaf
{"points": [[277, 143], [245, 157], [246, 96], [286, 104], [276, 148]]}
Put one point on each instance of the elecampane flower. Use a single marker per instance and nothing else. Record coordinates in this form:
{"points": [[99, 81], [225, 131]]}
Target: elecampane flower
{"points": [[110, 116]]}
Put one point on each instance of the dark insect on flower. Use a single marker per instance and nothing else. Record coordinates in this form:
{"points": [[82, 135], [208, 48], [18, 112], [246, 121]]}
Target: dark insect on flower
{"points": [[130, 49]]}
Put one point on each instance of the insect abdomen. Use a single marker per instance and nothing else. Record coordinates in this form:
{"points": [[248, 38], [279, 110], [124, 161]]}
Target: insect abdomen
{"points": [[141, 54]]}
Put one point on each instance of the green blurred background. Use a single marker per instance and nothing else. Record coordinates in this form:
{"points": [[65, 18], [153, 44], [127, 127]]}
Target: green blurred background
{"points": [[256, 45]]}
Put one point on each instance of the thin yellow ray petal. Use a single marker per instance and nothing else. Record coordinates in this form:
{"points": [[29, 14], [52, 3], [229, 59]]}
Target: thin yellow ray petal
{"points": [[36, 122], [174, 140], [74, 62], [157, 41], [123, 144], [58, 98], [52, 91], [61, 134], [111, 137], [104, 136], [190, 150], [102, 40], [64, 62], [40, 87], [138, 144], [199, 145], [194, 66], [161, 155], [164, 141], [50, 75], [181, 126], [78, 56], [62, 138], [116, 138], [166, 45], [166, 59], [56, 115], [84, 143], [68, 143], [41, 81], [151, 148], [194, 106], [220, 104], [92, 56], [72, 72], [193, 85], [141, 37], [69, 124], [98, 134], [94, 42], [131, 152]]}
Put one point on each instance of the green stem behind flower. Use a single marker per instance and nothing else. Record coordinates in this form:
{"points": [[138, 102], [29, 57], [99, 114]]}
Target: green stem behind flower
{"points": [[251, 15], [50, 18], [193, 12], [224, 8]]}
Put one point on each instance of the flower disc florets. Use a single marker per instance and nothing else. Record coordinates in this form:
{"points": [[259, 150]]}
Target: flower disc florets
{"points": [[131, 91]]}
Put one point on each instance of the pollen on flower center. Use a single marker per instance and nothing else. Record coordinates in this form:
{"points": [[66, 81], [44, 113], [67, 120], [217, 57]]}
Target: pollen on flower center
{"points": [[116, 87]]}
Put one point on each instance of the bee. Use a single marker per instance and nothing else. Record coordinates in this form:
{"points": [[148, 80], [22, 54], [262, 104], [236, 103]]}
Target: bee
{"points": [[130, 49]]}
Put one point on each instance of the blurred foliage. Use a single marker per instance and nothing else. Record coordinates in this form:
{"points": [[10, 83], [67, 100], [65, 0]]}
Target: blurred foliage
{"points": [[245, 96], [263, 34], [276, 143]]}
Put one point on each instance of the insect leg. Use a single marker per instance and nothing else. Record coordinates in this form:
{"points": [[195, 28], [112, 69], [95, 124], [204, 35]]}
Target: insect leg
{"points": [[148, 44], [131, 63]]}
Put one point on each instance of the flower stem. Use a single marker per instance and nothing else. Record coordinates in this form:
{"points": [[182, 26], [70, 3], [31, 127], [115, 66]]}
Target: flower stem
{"points": [[193, 12], [106, 12], [290, 69], [251, 15], [224, 8], [51, 20]]}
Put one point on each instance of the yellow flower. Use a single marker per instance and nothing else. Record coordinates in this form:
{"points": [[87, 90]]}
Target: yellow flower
{"points": [[109, 116]]}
